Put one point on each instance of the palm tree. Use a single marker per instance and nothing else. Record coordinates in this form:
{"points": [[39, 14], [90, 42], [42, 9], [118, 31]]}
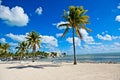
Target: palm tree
{"points": [[76, 19], [0, 48], [5, 48], [22, 48], [33, 39]]}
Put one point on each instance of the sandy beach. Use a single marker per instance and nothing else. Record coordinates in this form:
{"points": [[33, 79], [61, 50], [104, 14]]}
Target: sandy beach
{"points": [[59, 71]]}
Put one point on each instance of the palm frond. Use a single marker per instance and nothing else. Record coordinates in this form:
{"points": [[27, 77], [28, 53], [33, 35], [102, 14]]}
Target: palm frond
{"points": [[65, 25], [65, 32], [86, 28], [38, 45], [79, 34]]}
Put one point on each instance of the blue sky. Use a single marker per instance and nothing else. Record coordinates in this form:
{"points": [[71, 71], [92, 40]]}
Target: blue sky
{"points": [[18, 17]]}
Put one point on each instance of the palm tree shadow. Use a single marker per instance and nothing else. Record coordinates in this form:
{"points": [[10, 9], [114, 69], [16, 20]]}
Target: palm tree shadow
{"points": [[32, 66]]}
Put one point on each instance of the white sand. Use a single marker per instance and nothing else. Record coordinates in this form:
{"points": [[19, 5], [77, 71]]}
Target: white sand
{"points": [[64, 71]]}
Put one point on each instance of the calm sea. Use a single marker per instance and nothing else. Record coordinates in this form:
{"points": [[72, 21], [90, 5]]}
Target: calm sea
{"points": [[102, 58]]}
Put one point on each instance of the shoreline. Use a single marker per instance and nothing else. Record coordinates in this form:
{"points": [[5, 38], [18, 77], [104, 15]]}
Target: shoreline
{"points": [[22, 61]]}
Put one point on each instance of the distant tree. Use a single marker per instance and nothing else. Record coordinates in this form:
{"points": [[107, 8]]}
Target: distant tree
{"points": [[76, 19], [64, 54], [53, 54], [22, 48], [5, 49], [1, 48], [46, 54]]}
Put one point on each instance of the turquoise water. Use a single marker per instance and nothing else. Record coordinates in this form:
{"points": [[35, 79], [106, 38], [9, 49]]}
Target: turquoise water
{"points": [[103, 58]]}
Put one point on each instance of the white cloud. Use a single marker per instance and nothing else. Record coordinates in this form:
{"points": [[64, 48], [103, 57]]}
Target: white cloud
{"points": [[95, 43], [2, 40], [13, 44], [118, 6], [49, 43], [90, 49], [39, 10], [88, 39], [16, 37], [77, 41], [106, 37], [59, 23], [104, 32], [117, 18], [50, 40], [49, 48], [117, 44], [59, 34], [115, 37], [14, 16]]}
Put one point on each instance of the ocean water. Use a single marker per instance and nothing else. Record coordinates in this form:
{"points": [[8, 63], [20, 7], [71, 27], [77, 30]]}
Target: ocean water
{"points": [[101, 58]]}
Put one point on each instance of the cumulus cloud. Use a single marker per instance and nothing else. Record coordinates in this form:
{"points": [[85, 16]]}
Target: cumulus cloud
{"points": [[106, 37], [50, 40], [103, 48], [2, 40], [117, 18], [39, 10], [77, 41], [17, 37], [49, 43], [13, 44], [88, 39], [118, 6], [115, 37], [95, 43], [104, 32], [14, 16], [59, 23], [117, 44], [59, 34]]}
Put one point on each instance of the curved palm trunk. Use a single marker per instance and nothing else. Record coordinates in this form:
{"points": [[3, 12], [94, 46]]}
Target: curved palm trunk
{"points": [[74, 47], [34, 50]]}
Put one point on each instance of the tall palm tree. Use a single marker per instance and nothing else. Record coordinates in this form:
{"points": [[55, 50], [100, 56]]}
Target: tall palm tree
{"points": [[33, 39], [22, 48], [76, 19]]}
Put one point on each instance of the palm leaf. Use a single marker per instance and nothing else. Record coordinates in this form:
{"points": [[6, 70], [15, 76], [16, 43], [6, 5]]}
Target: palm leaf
{"points": [[65, 32], [79, 34], [38, 45], [86, 28], [66, 24]]}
